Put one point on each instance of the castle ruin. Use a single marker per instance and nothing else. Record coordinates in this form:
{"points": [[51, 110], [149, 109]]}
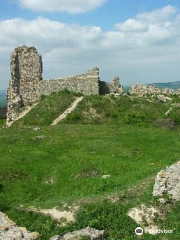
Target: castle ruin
{"points": [[27, 85]]}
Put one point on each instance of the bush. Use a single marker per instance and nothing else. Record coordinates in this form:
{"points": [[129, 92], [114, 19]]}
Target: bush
{"points": [[42, 97], [74, 117], [136, 118], [165, 122], [175, 115]]}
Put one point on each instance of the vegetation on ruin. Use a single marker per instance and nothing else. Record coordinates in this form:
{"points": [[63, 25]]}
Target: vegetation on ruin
{"points": [[103, 136]]}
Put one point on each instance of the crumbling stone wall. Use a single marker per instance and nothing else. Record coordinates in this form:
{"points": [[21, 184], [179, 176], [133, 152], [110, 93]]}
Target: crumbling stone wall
{"points": [[87, 83], [113, 87], [143, 90]]}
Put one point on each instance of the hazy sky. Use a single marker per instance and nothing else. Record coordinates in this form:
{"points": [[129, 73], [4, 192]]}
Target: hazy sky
{"points": [[137, 40]]}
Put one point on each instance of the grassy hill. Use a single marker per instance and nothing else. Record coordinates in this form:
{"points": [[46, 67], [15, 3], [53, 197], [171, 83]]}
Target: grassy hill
{"points": [[103, 110], [64, 164]]}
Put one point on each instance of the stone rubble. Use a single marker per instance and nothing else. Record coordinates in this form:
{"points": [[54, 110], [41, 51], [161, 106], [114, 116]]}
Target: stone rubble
{"points": [[168, 182], [92, 233], [10, 231], [163, 94]]}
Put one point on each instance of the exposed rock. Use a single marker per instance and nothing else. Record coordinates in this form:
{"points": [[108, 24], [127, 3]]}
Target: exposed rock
{"points": [[168, 182], [10, 231], [144, 216], [106, 176], [162, 95], [41, 137], [163, 98], [143, 90], [59, 215], [37, 129], [93, 234]]}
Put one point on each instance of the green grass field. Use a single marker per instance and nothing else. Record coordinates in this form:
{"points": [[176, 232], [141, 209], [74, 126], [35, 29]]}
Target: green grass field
{"points": [[75, 154]]}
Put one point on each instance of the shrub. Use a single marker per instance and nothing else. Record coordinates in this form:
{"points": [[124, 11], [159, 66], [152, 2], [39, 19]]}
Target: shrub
{"points": [[74, 117], [165, 122], [136, 118], [42, 97]]}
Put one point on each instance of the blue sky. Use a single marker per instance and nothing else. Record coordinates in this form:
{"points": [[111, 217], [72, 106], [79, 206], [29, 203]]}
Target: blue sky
{"points": [[137, 40]]}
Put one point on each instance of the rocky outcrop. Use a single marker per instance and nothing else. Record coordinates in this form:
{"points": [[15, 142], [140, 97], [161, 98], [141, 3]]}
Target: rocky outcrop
{"points": [[168, 182], [10, 231], [92, 233]]}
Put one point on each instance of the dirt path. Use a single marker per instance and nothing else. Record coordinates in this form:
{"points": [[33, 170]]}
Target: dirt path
{"points": [[22, 114], [69, 110]]}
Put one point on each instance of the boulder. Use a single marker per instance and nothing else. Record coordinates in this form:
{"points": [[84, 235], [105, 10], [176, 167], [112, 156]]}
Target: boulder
{"points": [[168, 182], [92, 233]]}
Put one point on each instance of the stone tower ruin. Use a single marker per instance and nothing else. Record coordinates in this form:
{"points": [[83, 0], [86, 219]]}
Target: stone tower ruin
{"points": [[26, 73]]}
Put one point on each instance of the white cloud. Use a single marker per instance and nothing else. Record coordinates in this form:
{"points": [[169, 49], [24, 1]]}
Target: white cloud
{"points": [[138, 50], [159, 15], [69, 6], [131, 25]]}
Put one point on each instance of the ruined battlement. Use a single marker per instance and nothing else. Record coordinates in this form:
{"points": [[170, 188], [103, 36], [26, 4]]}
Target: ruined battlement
{"points": [[27, 84]]}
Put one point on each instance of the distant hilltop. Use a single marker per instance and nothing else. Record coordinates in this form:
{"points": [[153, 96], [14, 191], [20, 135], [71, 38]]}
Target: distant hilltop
{"points": [[171, 85]]}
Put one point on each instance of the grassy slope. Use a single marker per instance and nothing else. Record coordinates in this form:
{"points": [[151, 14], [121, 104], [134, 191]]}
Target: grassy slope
{"points": [[49, 108], [122, 110], [76, 156]]}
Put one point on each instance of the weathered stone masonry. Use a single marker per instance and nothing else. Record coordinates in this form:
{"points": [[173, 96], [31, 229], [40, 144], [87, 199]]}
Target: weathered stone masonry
{"points": [[27, 85]]}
